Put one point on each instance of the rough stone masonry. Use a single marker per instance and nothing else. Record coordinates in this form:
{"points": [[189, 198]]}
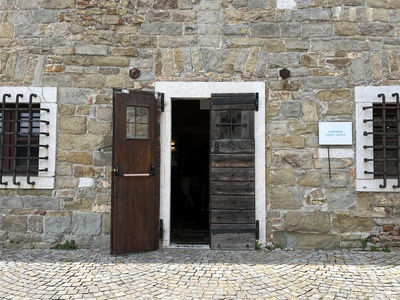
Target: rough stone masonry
{"points": [[86, 48]]}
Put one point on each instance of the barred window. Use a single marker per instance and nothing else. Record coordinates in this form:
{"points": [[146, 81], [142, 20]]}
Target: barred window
{"points": [[378, 143], [27, 141]]}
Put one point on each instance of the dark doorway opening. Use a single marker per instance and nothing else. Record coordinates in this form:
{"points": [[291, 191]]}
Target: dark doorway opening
{"points": [[190, 152]]}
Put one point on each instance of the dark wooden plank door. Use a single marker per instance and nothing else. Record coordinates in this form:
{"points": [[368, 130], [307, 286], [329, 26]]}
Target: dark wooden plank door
{"points": [[232, 175], [135, 194]]}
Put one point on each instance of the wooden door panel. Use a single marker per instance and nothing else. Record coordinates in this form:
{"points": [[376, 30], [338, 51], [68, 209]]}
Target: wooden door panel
{"points": [[135, 200], [228, 238], [232, 216], [232, 173], [232, 147], [232, 160], [233, 202], [232, 188]]}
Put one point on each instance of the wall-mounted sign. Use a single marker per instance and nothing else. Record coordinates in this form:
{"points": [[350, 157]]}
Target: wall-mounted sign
{"points": [[335, 133]]}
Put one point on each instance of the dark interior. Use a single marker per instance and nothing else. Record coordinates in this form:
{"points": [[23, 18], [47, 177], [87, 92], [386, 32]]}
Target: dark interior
{"points": [[190, 169]]}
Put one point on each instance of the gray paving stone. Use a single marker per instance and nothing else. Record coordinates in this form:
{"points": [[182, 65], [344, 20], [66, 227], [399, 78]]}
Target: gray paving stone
{"points": [[199, 274]]}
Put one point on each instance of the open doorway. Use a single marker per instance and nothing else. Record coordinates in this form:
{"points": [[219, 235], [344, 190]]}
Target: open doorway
{"points": [[190, 172]]}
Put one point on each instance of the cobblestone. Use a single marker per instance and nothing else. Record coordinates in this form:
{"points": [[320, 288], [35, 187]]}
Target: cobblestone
{"points": [[199, 274]]}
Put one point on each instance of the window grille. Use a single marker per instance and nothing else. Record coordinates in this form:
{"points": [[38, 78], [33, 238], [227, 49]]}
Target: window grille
{"points": [[20, 133], [386, 143]]}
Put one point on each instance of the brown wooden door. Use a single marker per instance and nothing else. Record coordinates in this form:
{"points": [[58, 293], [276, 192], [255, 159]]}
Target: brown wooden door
{"points": [[135, 195], [232, 175]]}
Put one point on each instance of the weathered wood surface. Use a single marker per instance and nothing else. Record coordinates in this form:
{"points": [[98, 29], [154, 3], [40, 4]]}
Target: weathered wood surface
{"points": [[232, 217], [233, 202], [232, 174], [232, 188], [232, 147], [232, 160]]}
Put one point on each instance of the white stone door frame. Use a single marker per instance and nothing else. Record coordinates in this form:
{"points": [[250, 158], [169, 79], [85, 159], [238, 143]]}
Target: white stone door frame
{"points": [[203, 90]]}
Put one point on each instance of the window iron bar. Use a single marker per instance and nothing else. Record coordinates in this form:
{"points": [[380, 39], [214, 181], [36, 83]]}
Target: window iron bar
{"points": [[380, 133], [3, 107], [387, 121], [381, 159], [380, 147], [396, 95], [15, 182], [21, 126]]}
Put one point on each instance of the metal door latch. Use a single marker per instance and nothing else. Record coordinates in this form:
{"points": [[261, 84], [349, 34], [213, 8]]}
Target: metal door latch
{"points": [[117, 172]]}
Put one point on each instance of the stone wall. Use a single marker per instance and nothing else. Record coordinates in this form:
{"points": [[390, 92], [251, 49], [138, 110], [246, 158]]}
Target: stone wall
{"points": [[86, 48]]}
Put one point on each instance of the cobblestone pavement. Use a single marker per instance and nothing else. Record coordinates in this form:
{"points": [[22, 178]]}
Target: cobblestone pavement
{"points": [[199, 274]]}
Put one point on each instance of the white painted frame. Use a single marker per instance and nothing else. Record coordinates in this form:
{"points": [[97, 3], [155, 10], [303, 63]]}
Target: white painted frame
{"points": [[366, 96], [47, 97], [203, 90]]}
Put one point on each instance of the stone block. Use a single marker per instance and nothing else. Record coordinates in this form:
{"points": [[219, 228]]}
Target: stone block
{"points": [[88, 80], [10, 202], [292, 159], [270, 30], [328, 82], [102, 158], [6, 30], [298, 127], [291, 109], [55, 227], [283, 199], [316, 222], [24, 238], [282, 177], [106, 224], [352, 224], [58, 80], [45, 16], [313, 30], [66, 182], [361, 70], [79, 157], [129, 52], [310, 178], [284, 60], [364, 201], [116, 61], [345, 29], [386, 199], [310, 110], [72, 124], [58, 4], [288, 142], [3, 235], [86, 224], [161, 29], [340, 109], [333, 95], [35, 224], [306, 241], [102, 242], [341, 198], [14, 223], [27, 31], [88, 142], [42, 203], [115, 81], [91, 49]]}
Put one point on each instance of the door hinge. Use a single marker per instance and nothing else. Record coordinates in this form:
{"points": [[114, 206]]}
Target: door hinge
{"points": [[161, 229], [256, 102], [257, 229], [161, 99]]}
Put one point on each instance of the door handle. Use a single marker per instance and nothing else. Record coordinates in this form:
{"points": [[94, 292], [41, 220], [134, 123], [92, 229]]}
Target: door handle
{"points": [[117, 172]]}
